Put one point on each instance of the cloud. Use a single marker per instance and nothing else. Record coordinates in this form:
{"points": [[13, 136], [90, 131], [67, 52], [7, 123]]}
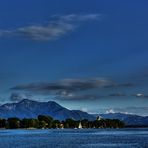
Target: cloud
{"points": [[140, 95], [16, 97], [118, 94], [67, 89], [84, 109], [58, 26], [121, 85], [117, 110], [75, 89], [110, 111], [75, 97], [129, 110], [48, 32], [65, 86], [74, 17]]}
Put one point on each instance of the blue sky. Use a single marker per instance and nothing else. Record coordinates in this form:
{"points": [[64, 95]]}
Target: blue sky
{"points": [[84, 54]]}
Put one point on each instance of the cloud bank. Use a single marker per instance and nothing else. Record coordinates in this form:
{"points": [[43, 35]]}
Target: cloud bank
{"points": [[68, 89], [58, 26], [75, 89], [66, 85]]}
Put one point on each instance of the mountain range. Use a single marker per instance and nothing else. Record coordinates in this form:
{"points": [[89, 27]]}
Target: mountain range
{"points": [[31, 109], [128, 119]]}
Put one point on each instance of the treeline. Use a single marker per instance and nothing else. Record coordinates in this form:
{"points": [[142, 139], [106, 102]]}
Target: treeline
{"points": [[48, 122]]}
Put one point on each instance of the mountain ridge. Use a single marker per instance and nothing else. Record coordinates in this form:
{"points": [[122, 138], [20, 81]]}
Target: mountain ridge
{"points": [[31, 109], [128, 119]]}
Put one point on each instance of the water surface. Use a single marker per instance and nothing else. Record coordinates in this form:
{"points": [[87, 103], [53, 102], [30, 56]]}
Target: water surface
{"points": [[74, 138]]}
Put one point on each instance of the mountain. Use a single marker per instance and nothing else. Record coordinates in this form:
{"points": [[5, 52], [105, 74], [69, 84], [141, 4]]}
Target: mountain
{"points": [[31, 109], [128, 119]]}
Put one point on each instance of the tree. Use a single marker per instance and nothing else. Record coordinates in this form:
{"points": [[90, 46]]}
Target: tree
{"points": [[2, 123], [13, 123], [56, 124], [47, 119], [84, 123], [70, 123], [30, 123], [42, 124]]}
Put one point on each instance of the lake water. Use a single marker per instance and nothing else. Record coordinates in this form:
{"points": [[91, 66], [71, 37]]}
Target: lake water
{"points": [[74, 138]]}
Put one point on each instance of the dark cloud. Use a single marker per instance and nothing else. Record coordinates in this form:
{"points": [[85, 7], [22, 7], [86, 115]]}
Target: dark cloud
{"points": [[58, 26], [73, 97], [127, 84], [16, 97], [119, 94], [66, 85], [121, 85], [74, 89]]}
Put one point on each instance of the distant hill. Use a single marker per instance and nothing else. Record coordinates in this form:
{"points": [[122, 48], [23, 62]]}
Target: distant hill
{"points": [[31, 109], [128, 119]]}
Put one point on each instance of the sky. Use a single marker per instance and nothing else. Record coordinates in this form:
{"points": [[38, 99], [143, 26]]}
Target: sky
{"points": [[83, 54]]}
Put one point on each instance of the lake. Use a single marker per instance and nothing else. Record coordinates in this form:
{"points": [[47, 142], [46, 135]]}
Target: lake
{"points": [[75, 138]]}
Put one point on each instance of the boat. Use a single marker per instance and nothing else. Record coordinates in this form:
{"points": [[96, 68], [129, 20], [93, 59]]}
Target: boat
{"points": [[80, 126]]}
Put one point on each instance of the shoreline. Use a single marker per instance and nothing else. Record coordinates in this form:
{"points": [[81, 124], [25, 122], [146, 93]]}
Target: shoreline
{"points": [[73, 128]]}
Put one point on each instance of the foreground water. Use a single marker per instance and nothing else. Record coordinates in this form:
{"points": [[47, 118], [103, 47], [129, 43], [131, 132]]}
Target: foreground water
{"points": [[74, 138]]}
